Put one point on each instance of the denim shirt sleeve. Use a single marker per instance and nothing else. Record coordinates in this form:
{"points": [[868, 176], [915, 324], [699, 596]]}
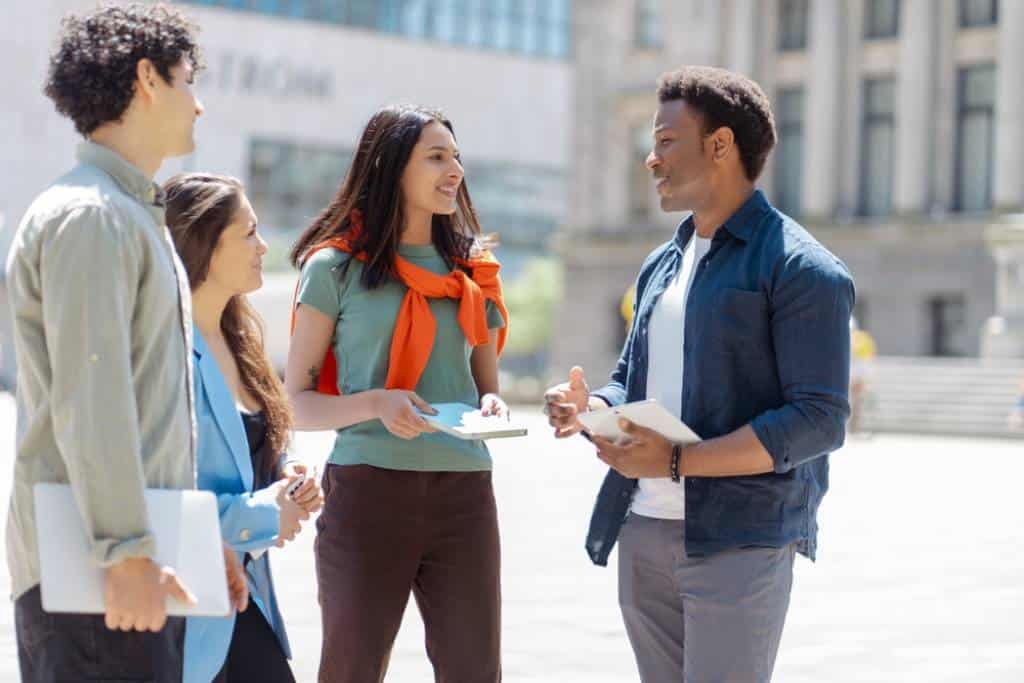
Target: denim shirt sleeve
{"points": [[811, 301]]}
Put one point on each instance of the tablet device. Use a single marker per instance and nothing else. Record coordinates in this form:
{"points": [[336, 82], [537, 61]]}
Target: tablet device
{"points": [[649, 413], [185, 524]]}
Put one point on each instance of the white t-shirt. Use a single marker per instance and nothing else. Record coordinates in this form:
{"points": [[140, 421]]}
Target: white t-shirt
{"points": [[663, 498]]}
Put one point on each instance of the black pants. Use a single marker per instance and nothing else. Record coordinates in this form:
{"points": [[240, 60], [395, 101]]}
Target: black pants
{"points": [[80, 647], [255, 653]]}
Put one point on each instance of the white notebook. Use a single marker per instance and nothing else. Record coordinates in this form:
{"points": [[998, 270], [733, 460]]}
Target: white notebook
{"points": [[187, 530], [649, 413], [466, 422]]}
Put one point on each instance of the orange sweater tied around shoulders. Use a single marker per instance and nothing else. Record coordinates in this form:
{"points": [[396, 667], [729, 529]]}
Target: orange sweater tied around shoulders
{"points": [[415, 327]]}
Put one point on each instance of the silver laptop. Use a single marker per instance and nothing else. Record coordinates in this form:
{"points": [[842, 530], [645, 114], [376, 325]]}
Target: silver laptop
{"points": [[187, 530]]}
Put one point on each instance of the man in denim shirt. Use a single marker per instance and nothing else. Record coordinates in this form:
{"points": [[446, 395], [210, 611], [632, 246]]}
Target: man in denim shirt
{"points": [[741, 328]]}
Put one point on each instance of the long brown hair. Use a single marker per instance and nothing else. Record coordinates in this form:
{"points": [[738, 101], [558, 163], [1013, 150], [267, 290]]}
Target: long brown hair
{"points": [[373, 185], [199, 207]]}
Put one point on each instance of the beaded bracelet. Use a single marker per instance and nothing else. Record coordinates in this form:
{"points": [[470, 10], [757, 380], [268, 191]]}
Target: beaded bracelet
{"points": [[673, 467]]}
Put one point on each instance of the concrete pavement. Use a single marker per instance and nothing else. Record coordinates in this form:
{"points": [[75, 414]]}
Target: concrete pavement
{"points": [[920, 575]]}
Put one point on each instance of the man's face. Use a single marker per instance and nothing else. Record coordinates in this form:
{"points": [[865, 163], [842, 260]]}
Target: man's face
{"points": [[176, 108], [681, 160]]}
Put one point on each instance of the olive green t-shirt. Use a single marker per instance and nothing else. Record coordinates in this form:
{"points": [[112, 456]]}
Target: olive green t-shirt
{"points": [[365, 321]]}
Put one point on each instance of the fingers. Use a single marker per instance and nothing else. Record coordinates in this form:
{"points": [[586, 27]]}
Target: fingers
{"points": [[177, 590], [306, 491], [635, 431], [421, 404], [577, 381], [566, 432], [112, 619], [293, 470]]}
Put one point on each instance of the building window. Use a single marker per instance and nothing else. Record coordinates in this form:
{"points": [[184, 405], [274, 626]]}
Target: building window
{"points": [[882, 19], [789, 151], [979, 13], [948, 317], [639, 175], [647, 24], [879, 139], [976, 94], [289, 185], [792, 25], [532, 27]]}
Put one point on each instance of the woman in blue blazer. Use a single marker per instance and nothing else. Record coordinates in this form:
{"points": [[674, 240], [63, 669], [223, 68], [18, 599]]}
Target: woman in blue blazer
{"points": [[243, 423]]}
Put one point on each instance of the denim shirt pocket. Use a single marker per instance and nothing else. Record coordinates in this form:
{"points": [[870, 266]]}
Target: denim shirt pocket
{"points": [[739, 321]]}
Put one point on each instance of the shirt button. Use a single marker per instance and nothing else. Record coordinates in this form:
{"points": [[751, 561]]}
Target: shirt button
{"points": [[244, 535]]}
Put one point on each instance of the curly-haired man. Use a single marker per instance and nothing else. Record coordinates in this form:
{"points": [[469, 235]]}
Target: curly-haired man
{"points": [[102, 332], [741, 329]]}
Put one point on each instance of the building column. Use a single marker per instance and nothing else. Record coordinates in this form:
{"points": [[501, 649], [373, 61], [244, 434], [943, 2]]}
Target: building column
{"points": [[741, 57], [915, 98], [824, 116], [1003, 335], [1009, 133]]}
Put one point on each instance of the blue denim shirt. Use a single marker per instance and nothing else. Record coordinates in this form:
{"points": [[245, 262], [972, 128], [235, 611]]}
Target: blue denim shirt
{"points": [[766, 343]]}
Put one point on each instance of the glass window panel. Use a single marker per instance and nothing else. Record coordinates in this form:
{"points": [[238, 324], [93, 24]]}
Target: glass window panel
{"points": [[975, 138], [979, 87], [879, 96], [789, 152], [647, 23], [792, 24], [413, 21], [975, 161], [445, 21], [531, 27], [882, 18], [362, 13], [472, 22], [979, 12], [516, 19], [878, 140], [533, 31], [876, 199]]}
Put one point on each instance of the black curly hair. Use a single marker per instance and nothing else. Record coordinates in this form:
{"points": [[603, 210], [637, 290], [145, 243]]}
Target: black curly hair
{"points": [[725, 98], [92, 72]]}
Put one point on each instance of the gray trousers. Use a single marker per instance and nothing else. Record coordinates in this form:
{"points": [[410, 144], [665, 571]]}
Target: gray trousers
{"points": [[714, 619]]}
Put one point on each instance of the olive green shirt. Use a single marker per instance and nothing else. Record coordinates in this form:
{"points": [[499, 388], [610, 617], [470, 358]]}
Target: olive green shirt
{"points": [[102, 330], [365, 321]]}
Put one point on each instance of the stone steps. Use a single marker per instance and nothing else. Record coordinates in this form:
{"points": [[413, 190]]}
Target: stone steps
{"points": [[942, 396]]}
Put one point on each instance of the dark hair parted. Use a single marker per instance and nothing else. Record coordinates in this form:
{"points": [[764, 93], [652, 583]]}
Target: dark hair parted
{"points": [[92, 72], [725, 98], [199, 207], [373, 186]]}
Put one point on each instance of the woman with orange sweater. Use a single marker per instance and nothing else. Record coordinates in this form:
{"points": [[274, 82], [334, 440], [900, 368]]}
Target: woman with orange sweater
{"points": [[399, 306]]}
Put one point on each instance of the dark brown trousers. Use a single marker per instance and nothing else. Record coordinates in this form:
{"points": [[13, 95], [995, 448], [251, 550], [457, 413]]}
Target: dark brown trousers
{"points": [[385, 532]]}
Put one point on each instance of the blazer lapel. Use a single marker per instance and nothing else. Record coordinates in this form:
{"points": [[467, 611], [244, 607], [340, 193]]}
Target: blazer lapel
{"points": [[225, 412]]}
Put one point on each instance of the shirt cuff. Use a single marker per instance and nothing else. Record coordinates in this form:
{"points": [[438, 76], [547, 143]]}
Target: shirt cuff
{"points": [[110, 551]]}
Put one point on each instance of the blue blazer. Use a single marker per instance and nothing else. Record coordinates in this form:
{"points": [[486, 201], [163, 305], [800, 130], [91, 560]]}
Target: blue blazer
{"points": [[248, 519]]}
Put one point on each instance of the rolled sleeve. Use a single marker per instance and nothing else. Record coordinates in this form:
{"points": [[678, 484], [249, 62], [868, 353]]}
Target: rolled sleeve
{"points": [[89, 278], [811, 306]]}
